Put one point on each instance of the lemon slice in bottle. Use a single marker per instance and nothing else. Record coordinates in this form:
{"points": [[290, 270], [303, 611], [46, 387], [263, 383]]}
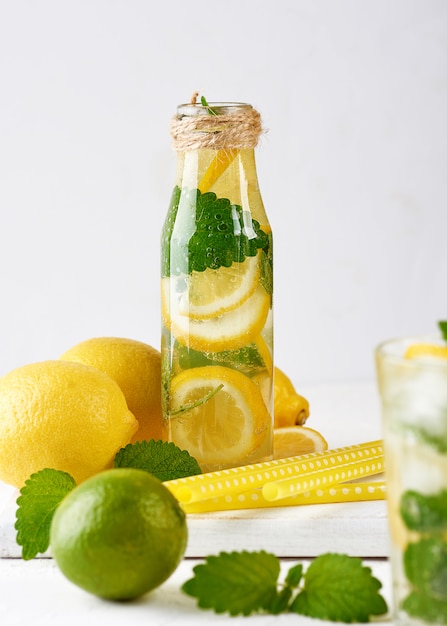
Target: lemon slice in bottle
{"points": [[227, 421], [229, 331], [202, 295], [222, 159]]}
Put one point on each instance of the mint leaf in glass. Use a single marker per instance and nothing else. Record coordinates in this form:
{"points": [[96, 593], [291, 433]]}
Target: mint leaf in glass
{"points": [[38, 500], [443, 328], [424, 513], [425, 565], [425, 608], [339, 588], [162, 459]]}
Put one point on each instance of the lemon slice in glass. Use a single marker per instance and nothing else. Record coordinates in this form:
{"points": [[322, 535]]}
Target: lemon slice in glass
{"points": [[426, 349], [226, 429]]}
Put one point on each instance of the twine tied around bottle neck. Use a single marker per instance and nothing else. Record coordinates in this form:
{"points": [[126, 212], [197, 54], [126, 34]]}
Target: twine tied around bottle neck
{"points": [[237, 126]]}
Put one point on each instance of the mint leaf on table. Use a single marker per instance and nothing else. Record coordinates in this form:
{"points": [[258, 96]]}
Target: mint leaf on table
{"points": [[238, 583], [335, 587], [162, 459], [339, 588], [38, 501]]}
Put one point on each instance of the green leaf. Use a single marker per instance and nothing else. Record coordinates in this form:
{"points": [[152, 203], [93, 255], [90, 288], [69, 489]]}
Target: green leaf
{"points": [[239, 583], [425, 564], [443, 328], [425, 608], [204, 103], [438, 442], [213, 233], [424, 513], [279, 604], [294, 575], [161, 458], [247, 359], [266, 279], [38, 501], [340, 589]]}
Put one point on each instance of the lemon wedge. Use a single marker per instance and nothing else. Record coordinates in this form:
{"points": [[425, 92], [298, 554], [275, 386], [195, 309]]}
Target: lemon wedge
{"points": [[297, 440]]}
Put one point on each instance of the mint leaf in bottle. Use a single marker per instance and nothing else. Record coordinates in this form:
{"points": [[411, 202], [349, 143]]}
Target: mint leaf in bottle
{"points": [[38, 500], [205, 104], [215, 234]]}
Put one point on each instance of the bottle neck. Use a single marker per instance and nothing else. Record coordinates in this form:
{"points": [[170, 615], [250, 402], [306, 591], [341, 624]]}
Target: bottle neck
{"points": [[217, 126], [229, 174]]}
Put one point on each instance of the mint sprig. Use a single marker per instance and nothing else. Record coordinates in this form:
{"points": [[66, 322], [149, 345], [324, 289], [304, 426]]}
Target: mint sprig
{"points": [[205, 104], [335, 587], [38, 501], [163, 460]]}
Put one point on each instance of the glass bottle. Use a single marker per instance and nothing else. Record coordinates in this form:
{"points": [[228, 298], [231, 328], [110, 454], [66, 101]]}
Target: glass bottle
{"points": [[216, 291]]}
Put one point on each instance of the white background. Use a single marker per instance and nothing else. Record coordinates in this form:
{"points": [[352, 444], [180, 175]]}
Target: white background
{"points": [[353, 168]]}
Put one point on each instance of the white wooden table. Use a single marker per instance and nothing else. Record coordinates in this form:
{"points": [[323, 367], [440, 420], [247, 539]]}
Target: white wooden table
{"points": [[36, 592]]}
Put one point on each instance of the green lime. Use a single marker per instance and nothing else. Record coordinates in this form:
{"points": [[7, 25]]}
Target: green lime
{"points": [[119, 534]]}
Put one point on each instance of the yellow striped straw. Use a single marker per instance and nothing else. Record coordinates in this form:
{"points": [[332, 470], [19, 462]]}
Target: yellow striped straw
{"points": [[333, 468], [337, 466], [347, 492]]}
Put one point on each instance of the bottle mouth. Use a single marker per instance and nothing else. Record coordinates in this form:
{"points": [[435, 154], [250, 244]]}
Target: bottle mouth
{"points": [[213, 108], [217, 125]]}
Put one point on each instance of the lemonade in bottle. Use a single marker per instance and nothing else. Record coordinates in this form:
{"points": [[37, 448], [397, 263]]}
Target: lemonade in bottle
{"points": [[216, 291]]}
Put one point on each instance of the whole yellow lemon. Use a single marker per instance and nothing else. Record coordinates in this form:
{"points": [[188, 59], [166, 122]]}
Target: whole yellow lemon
{"points": [[290, 407], [136, 367], [60, 415]]}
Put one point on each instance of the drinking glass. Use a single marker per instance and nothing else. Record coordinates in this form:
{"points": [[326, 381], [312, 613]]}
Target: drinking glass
{"points": [[413, 391]]}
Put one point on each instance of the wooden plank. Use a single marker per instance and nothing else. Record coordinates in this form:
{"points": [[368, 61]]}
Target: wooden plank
{"points": [[354, 528], [346, 415]]}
